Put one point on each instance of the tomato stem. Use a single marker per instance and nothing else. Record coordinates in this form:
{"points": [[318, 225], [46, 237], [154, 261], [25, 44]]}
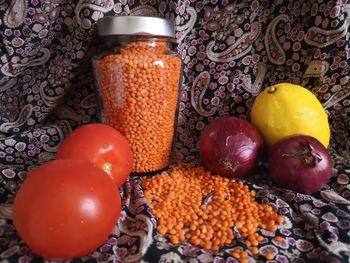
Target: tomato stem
{"points": [[107, 167]]}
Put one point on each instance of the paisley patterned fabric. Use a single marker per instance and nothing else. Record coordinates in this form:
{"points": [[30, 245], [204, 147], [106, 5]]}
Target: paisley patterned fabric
{"points": [[231, 51]]}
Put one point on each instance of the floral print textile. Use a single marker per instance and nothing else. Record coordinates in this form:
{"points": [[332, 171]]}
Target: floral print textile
{"points": [[231, 51]]}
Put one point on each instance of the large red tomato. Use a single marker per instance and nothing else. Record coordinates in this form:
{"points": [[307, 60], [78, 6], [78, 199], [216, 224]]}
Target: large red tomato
{"points": [[66, 209], [100, 144]]}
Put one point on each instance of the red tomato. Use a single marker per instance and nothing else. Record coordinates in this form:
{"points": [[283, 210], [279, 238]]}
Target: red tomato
{"points": [[66, 209], [102, 145]]}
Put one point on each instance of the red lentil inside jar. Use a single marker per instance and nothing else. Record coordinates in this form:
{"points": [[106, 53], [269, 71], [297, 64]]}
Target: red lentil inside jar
{"points": [[138, 78]]}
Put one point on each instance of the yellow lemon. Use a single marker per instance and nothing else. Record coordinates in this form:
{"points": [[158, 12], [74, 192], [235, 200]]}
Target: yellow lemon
{"points": [[285, 109]]}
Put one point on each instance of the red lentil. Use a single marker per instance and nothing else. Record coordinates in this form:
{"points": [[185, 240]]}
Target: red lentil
{"points": [[254, 250], [269, 256], [212, 205], [139, 85], [278, 238]]}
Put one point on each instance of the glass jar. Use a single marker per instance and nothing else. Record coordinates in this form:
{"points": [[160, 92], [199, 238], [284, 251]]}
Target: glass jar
{"points": [[138, 77]]}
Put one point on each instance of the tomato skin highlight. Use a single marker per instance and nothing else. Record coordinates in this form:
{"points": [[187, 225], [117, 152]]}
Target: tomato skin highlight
{"points": [[66, 209], [100, 144]]}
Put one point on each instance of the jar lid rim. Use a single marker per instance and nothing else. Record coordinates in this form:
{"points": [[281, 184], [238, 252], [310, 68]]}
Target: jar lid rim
{"points": [[135, 25]]}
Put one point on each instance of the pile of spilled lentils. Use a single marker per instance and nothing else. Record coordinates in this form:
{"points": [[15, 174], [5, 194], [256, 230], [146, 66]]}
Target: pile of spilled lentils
{"points": [[208, 211]]}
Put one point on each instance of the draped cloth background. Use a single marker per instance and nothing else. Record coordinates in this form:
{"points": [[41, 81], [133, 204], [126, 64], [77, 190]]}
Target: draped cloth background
{"points": [[231, 51]]}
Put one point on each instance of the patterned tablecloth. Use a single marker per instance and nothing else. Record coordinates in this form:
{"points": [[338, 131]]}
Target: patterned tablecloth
{"points": [[231, 51]]}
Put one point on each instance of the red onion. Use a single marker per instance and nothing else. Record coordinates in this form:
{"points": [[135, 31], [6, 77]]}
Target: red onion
{"points": [[300, 163], [230, 147]]}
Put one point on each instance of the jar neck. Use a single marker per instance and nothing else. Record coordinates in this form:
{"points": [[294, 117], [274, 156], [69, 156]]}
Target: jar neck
{"points": [[127, 43]]}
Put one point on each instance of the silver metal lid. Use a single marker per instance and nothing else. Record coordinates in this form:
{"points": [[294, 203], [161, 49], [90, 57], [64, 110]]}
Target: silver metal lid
{"points": [[135, 25]]}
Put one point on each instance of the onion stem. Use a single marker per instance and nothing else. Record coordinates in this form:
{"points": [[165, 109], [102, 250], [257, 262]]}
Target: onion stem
{"points": [[306, 153]]}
